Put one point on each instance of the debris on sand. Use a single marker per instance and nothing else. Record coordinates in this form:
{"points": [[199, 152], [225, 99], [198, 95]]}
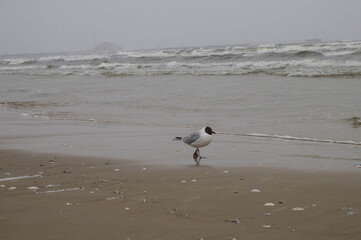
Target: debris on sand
{"points": [[356, 121], [255, 190], [175, 212], [232, 221]]}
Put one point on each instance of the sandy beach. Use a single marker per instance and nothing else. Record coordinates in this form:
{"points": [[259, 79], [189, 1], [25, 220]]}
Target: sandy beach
{"points": [[53, 196]]}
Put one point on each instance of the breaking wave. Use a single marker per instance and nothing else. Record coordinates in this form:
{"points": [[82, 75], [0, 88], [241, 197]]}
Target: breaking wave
{"points": [[299, 60]]}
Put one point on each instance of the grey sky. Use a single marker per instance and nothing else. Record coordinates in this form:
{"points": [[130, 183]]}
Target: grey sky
{"points": [[31, 26]]}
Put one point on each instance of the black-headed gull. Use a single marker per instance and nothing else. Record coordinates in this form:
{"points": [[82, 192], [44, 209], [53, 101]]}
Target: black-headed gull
{"points": [[198, 139]]}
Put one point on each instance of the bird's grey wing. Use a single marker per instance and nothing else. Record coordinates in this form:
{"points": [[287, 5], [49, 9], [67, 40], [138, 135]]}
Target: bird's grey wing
{"points": [[191, 138]]}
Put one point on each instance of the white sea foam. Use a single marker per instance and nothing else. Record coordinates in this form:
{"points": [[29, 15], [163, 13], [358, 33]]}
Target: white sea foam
{"points": [[85, 57], [19, 178], [61, 190], [16, 61], [81, 66], [285, 137], [52, 185], [21, 68], [106, 65], [150, 53]]}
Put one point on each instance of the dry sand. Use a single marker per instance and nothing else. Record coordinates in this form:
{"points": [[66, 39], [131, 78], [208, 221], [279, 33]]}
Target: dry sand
{"points": [[94, 198]]}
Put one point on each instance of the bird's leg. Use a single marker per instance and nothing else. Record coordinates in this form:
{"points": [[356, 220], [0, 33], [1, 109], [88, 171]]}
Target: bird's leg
{"points": [[199, 158], [196, 155]]}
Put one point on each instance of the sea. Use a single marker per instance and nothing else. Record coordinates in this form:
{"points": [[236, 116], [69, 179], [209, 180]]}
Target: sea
{"points": [[292, 105]]}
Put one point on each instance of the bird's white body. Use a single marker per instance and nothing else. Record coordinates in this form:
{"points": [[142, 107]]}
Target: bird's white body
{"points": [[203, 140]]}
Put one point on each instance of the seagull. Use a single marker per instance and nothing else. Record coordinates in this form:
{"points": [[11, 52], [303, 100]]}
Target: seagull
{"points": [[197, 140]]}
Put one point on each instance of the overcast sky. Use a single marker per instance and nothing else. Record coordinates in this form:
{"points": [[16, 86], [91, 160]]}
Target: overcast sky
{"points": [[37, 26]]}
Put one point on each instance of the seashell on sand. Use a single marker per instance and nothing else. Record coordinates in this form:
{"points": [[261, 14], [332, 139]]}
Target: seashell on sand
{"points": [[269, 204], [298, 209]]}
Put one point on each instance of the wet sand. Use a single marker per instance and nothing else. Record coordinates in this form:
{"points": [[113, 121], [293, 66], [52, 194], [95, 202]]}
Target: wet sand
{"points": [[96, 198]]}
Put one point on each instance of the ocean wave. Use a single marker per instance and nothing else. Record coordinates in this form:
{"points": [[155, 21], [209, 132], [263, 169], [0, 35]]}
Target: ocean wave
{"points": [[23, 68], [275, 50], [304, 59], [17, 61], [303, 67], [81, 66], [54, 58], [70, 58]]}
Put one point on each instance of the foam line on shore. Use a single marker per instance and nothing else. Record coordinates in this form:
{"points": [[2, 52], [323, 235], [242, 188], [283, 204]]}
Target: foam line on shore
{"points": [[303, 139], [19, 178], [61, 190]]}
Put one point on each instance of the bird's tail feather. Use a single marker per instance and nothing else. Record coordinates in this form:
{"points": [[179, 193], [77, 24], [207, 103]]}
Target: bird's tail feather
{"points": [[177, 138]]}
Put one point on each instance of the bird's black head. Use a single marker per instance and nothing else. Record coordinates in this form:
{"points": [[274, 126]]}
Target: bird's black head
{"points": [[209, 131]]}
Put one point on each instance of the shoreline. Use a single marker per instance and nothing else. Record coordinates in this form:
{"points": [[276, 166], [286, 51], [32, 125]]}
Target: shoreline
{"points": [[78, 197], [153, 145]]}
